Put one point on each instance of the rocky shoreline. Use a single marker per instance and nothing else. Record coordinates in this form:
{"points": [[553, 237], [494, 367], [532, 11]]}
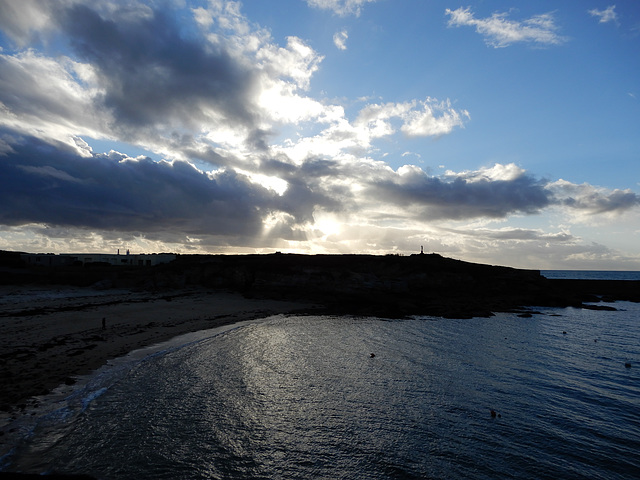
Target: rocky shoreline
{"points": [[391, 286], [50, 336]]}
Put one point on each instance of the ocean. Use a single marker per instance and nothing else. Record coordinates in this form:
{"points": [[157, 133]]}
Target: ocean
{"points": [[553, 396], [592, 274]]}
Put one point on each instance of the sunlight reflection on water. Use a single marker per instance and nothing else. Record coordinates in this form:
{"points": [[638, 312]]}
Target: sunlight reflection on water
{"points": [[301, 397]]}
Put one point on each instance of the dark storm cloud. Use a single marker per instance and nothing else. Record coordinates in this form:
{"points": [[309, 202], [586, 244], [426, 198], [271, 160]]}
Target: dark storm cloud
{"points": [[53, 185], [312, 184], [44, 184], [598, 203], [153, 75], [301, 199], [479, 195], [462, 198]]}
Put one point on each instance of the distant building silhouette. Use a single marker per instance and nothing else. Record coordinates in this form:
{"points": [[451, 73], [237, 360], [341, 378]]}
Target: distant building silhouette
{"points": [[141, 260]]}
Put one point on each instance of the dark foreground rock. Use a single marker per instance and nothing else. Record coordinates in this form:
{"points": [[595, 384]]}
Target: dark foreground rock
{"points": [[397, 286], [33, 476], [388, 286]]}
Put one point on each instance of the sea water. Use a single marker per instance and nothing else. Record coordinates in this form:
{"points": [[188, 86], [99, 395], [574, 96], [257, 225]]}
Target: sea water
{"points": [[553, 396], [592, 274]]}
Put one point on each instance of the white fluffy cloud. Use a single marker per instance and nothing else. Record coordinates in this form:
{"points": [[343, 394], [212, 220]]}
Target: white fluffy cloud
{"points": [[340, 39], [499, 31], [433, 119], [426, 118], [607, 15]]}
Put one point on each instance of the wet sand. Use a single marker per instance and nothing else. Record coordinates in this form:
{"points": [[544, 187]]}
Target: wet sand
{"points": [[49, 336]]}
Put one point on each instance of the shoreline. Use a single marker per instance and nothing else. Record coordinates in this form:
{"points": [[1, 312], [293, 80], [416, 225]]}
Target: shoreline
{"points": [[51, 317], [52, 335]]}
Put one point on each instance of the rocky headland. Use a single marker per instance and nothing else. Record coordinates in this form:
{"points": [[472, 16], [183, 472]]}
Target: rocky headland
{"points": [[387, 286]]}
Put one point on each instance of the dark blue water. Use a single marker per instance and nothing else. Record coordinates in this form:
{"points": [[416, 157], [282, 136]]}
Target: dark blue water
{"points": [[592, 274], [301, 397]]}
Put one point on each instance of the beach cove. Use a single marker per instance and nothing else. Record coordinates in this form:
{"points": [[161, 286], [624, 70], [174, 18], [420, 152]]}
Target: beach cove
{"points": [[62, 326], [51, 318], [50, 335]]}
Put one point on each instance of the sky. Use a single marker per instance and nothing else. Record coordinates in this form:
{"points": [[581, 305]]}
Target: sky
{"points": [[500, 132]]}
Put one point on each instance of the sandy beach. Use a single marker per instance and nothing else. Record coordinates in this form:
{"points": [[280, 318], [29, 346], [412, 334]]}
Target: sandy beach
{"points": [[50, 335]]}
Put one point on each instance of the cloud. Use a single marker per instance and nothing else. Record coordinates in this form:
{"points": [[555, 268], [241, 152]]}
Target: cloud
{"points": [[592, 200], [134, 75], [340, 39], [487, 193], [150, 75], [47, 97], [425, 122], [502, 32], [296, 62], [24, 21], [54, 199], [340, 7], [51, 184], [55, 186], [425, 118], [245, 158], [523, 234], [607, 15], [531, 248]]}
